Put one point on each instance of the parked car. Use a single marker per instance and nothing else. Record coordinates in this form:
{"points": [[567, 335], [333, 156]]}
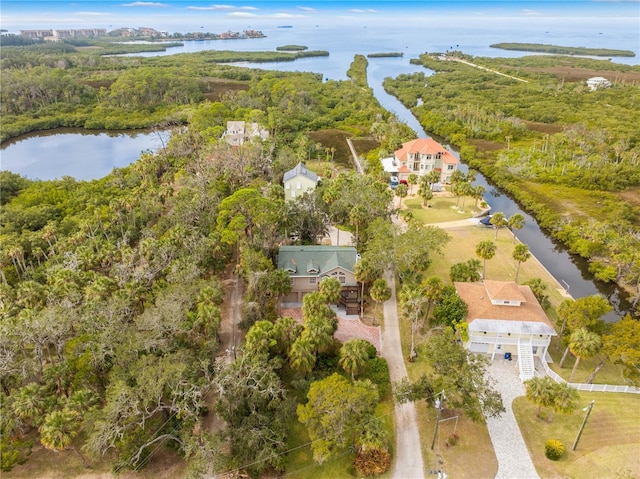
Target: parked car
{"points": [[393, 182]]}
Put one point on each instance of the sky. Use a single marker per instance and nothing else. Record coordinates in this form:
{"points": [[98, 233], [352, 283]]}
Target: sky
{"points": [[215, 16]]}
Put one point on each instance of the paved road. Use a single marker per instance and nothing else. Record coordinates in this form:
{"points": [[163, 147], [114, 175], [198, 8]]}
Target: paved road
{"points": [[408, 464], [408, 460]]}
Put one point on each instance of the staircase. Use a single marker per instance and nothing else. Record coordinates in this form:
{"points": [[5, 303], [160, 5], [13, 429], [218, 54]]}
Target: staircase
{"points": [[525, 361]]}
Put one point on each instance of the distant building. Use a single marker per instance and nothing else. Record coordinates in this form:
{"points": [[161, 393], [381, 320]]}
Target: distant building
{"points": [[238, 132], [419, 157], [36, 34], [59, 35], [298, 181], [595, 83]]}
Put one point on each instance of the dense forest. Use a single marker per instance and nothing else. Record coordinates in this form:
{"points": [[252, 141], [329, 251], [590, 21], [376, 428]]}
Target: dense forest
{"points": [[571, 156], [113, 291]]}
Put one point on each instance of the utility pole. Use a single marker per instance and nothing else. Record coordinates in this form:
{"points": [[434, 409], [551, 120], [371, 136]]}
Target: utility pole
{"points": [[439, 406], [584, 422]]}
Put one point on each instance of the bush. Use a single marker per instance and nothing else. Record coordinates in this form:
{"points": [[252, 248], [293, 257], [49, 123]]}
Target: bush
{"points": [[553, 449], [372, 462]]}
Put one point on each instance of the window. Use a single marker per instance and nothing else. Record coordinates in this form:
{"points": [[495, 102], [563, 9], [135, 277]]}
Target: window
{"points": [[298, 186], [287, 185], [341, 276], [313, 280], [293, 194], [450, 167]]}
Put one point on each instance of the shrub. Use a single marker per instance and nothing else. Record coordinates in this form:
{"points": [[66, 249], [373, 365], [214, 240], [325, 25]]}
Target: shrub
{"points": [[453, 440], [372, 462], [553, 449]]}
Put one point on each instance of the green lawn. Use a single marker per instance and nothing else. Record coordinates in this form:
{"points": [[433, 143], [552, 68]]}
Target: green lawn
{"points": [[609, 446], [441, 209]]}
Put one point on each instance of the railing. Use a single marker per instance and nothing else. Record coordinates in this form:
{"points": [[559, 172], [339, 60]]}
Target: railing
{"points": [[605, 388]]}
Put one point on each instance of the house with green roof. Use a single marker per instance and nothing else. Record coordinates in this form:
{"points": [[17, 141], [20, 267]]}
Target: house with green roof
{"points": [[308, 265]]}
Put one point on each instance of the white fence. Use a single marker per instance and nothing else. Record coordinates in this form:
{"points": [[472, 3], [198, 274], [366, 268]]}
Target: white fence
{"points": [[605, 388]]}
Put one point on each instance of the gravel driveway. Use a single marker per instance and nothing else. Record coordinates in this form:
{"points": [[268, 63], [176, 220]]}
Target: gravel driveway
{"points": [[513, 456]]}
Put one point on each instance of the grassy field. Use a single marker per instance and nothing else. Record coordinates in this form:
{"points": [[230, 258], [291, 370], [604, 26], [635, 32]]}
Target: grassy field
{"points": [[608, 448]]}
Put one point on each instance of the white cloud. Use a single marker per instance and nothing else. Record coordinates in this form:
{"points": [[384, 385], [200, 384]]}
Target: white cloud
{"points": [[242, 15], [213, 7], [359, 10], [221, 7], [531, 13], [93, 14], [308, 9], [145, 4]]}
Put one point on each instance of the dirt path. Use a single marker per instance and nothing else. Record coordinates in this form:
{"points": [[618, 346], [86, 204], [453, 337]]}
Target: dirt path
{"points": [[408, 460]]}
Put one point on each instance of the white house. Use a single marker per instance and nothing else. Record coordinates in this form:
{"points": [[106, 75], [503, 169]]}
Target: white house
{"points": [[420, 156], [238, 132], [298, 181], [505, 317], [598, 82]]}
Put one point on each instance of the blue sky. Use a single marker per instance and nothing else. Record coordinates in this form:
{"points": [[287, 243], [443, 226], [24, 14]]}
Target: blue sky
{"points": [[216, 15]]}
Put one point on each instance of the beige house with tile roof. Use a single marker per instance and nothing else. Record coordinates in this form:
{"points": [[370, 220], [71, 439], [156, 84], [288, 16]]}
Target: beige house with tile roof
{"points": [[505, 317], [422, 155]]}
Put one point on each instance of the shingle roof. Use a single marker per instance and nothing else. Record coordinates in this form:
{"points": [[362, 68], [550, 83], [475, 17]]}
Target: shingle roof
{"points": [[481, 308], [324, 258], [300, 169], [504, 290]]}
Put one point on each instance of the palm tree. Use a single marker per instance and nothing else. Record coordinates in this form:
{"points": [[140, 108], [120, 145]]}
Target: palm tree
{"points": [[357, 216], [476, 193], [433, 177], [516, 222], [380, 292], [28, 403], [59, 430], [520, 254], [583, 344], [432, 290], [564, 399], [498, 220], [540, 392], [426, 194], [412, 300], [354, 356], [485, 250], [365, 272], [330, 289], [401, 192], [412, 180], [302, 355]]}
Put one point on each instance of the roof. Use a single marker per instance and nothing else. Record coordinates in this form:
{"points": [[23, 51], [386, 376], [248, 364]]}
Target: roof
{"points": [[485, 316], [300, 169], [314, 260], [425, 146], [504, 290]]}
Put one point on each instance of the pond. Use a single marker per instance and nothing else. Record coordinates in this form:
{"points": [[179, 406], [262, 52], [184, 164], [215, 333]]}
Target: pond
{"points": [[82, 154]]}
